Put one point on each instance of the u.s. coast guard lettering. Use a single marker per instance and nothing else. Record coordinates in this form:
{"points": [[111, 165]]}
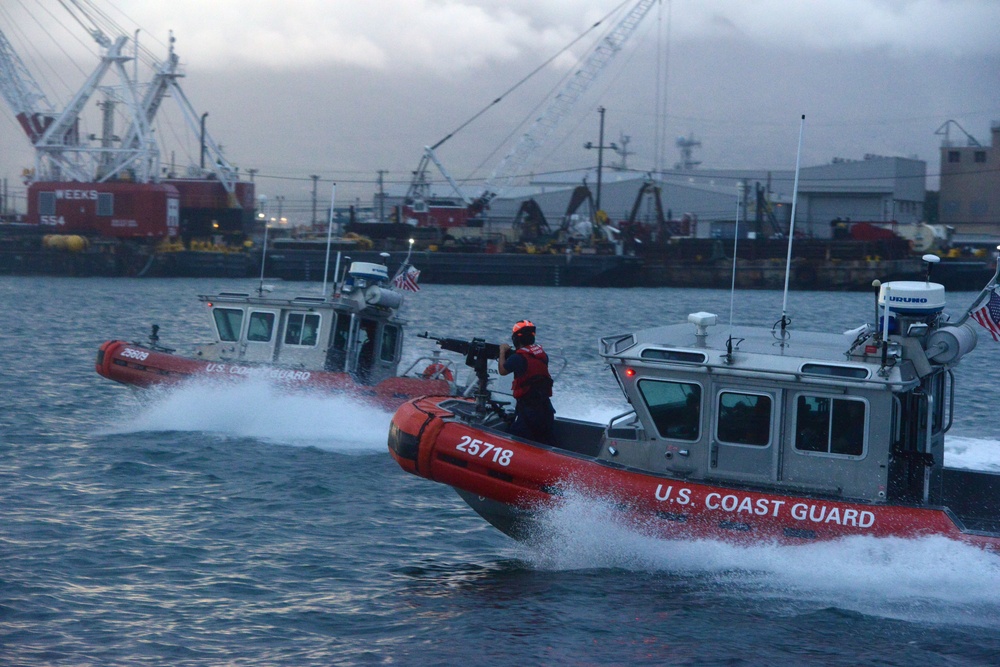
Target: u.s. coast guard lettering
{"points": [[267, 373], [739, 504]]}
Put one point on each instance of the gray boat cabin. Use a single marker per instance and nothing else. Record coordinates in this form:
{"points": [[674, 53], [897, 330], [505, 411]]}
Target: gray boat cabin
{"points": [[860, 415], [356, 330]]}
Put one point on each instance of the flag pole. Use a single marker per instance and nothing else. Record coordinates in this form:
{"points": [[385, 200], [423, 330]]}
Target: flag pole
{"points": [[406, 263], [329, 239], [990, 286]]}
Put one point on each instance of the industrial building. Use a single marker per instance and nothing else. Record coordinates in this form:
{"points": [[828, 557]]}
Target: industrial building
{"points": [[877, 189], [970, 186]]}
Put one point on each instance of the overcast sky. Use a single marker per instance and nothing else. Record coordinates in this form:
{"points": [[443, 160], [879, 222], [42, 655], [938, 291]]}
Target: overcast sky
{"points": [[343, 88]]}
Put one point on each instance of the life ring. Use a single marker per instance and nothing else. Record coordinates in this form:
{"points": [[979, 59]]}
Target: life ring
{"points": [[437, 371]]}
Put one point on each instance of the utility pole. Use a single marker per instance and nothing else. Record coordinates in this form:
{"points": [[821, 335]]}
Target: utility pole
{"points": [[252, 172], [315, 181], [600, 156], [203, 117], [381, 195]]}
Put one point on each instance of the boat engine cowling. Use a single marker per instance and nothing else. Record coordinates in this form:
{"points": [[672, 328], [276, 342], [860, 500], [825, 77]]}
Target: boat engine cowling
{"points": [[380, 296], [949, 344]]}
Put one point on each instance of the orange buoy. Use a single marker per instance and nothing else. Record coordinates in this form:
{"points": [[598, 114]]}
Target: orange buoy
{"points": [[437, 371]]}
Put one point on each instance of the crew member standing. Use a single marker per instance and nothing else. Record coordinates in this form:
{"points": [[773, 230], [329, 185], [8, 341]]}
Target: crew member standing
{"points": [[532, 387]]}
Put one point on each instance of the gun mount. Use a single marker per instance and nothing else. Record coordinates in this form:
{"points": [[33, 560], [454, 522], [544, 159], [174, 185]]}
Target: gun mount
{"points": [[477, 353]]}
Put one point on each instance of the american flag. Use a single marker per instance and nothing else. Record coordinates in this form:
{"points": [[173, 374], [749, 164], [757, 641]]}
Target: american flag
{"points": [[407, 279], [989, 315]]}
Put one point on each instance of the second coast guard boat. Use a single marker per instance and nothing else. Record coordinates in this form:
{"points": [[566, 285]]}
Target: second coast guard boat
{"points": [[349, 341]]}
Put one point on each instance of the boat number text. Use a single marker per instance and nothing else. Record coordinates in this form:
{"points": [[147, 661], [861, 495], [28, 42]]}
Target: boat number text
{"points": [[476, 447], [736, 504], [129, 353]]}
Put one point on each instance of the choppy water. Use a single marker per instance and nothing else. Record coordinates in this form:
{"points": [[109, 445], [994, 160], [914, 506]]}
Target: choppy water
{"points": [[240, 525]]}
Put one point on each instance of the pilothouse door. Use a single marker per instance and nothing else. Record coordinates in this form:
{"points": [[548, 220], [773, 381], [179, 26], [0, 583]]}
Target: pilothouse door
{"points": [[745, 435], [258, 342]]}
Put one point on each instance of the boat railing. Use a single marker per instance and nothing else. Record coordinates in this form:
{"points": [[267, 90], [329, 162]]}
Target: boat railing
{"points": [[557, 364], [434, 367], [611, 422]]}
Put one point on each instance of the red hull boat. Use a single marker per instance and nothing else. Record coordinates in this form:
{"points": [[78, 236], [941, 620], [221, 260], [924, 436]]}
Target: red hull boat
{"points": [[745, 435], [349, 342], [141, 366], [508, 480]]}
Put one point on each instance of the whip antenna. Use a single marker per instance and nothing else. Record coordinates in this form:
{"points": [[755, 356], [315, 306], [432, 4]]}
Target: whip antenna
{"points": [[329, 239], [791, 231], [732, 288]]}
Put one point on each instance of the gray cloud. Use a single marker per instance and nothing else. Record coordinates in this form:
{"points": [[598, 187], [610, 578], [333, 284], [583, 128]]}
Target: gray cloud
{"points": [[343, 89]]}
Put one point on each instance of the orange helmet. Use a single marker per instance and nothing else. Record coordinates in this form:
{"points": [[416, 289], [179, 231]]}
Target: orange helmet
{"points": [[524, 326]]}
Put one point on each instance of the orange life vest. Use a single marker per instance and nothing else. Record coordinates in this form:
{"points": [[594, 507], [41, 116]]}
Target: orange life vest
{"points": [[536, 377]]}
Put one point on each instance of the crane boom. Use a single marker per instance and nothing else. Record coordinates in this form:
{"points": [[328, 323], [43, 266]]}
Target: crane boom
{"points": [[22, 92], [60, 151], [563, 102]]}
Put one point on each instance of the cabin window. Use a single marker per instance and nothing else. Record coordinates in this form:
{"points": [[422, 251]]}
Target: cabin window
{"points": [[390, 337], [302, 329], [46, 203], [341, 332], [105, 203], [674, 406], [228, 322], [856, 372], [744, 419], [367, 337], [674, 355], [260, 327], [830, 425]]}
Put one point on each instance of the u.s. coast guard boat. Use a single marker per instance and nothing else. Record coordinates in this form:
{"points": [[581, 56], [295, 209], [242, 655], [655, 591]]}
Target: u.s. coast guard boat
{"points": [[349, 341], [741, 433]]}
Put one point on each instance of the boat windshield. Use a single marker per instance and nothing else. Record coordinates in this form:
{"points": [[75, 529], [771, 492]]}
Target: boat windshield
{"points": [[674, 406], [390, 338], [228, 322]]}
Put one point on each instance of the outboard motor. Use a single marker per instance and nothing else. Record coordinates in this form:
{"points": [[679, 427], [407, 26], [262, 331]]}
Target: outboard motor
{"points": [[915, 309], [369, 279]]}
